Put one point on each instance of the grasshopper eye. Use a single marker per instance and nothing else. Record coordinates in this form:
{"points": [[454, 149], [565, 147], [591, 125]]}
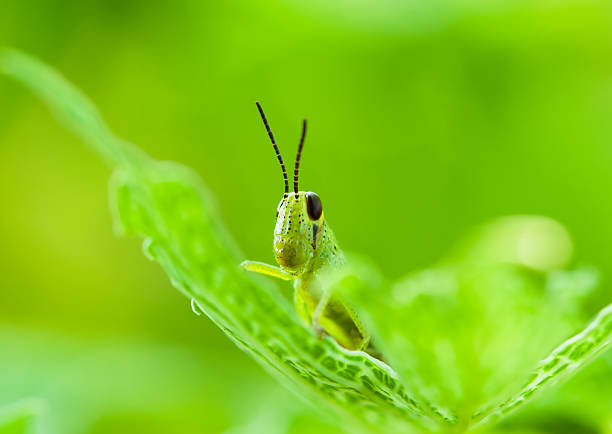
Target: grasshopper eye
{"points": [[313, 206]]}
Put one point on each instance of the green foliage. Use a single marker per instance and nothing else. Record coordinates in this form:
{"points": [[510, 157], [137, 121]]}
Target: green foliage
{"points": [[462, 337], [167, 205], [18, 417]]}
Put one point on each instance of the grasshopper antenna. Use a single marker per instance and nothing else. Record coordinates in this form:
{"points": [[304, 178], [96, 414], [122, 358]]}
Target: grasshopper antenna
{"points": [[296, 171], [278, 154]]}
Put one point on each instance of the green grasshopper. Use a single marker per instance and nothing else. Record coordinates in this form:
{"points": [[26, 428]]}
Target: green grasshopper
{"points": [[304, 247]]}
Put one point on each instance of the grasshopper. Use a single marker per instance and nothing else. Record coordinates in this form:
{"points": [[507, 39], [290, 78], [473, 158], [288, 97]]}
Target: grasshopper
{"points": [[305, 247]]}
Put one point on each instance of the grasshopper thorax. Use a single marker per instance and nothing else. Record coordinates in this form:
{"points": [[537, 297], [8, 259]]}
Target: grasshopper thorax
{"points": [[298, 231]]}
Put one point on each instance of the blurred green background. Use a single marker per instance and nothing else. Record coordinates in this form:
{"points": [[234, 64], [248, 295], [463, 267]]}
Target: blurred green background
{"points": [[426, 119]]}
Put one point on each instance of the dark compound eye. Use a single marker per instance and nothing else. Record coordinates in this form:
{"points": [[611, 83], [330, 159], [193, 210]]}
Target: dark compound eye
{"points": [[313, 206]]}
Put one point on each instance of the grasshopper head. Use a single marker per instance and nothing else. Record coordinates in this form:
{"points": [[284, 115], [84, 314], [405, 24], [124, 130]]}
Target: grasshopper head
{"points": [[299, 216], [299, 220]]}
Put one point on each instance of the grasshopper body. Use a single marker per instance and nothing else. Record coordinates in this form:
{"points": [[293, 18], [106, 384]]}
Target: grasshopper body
{"points": [[304, 247]]}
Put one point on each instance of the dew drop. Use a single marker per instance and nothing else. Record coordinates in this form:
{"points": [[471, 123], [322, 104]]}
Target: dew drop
{"points": [[148, 248], [195, 307]]}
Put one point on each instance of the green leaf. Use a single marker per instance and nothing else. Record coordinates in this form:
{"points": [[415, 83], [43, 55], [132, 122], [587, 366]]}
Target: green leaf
{"points": [[468, 333], [462, 336], [169, 206], [561, 364]]}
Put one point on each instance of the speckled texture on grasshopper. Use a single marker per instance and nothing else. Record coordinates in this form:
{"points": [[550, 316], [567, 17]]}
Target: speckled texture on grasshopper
{"points": [[304, 247]]}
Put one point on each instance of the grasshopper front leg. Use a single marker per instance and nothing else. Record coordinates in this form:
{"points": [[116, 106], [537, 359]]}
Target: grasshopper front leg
{"points": [[318, 313], [266, 269]]}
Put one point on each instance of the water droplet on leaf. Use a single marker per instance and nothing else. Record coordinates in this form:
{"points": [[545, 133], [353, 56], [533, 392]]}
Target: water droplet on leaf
{"points": [[148, 248], [195, 307]]}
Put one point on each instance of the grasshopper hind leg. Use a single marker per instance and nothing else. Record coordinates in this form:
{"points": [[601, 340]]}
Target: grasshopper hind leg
{"points": [[364, 340], [364, 336]]}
